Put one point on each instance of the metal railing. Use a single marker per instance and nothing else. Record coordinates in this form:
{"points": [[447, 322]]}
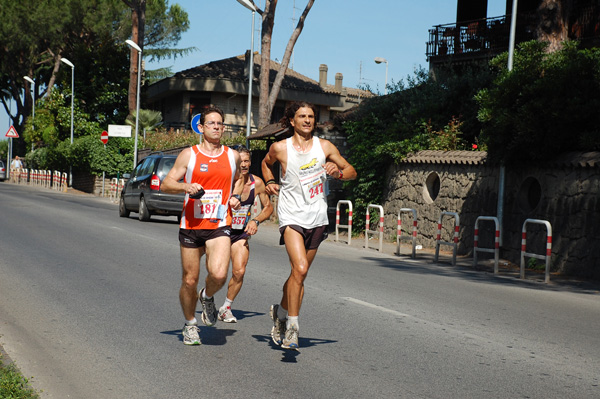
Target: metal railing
{"points": [[412, 236], [482, 35], [346, 226], [545, 256]]}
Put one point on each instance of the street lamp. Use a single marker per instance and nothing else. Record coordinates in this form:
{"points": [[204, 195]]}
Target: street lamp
{"points": [[137, 48], [27, 78], [9, 155], [379, 60], [69, 63], [252, 8]]}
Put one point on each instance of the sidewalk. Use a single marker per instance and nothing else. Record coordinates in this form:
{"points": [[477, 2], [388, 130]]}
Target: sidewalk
{"points": [[485, 263]]}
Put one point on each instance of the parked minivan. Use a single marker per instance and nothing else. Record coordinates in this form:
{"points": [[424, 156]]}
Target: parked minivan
{"points": [[141, 193]]}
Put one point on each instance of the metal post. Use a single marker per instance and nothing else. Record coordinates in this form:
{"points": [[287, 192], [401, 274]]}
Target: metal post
{"points": [[134, 45]]}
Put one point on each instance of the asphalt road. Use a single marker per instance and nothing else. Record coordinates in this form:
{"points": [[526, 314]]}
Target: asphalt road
{"points": [[89, 307]]}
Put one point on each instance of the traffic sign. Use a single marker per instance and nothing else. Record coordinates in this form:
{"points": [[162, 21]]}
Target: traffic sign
{"points": [[195, 123], [12, 133], [104, 137]]}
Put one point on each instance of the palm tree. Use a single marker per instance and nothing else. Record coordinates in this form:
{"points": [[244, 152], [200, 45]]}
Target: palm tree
{"points": [[149, 119]]}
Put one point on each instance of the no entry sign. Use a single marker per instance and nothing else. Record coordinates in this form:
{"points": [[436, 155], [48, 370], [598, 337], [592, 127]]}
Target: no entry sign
{"points": [[104, 137]]}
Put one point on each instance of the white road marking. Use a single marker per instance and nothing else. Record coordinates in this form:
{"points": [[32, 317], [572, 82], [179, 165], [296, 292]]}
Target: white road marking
{"points": [[370, 305]]}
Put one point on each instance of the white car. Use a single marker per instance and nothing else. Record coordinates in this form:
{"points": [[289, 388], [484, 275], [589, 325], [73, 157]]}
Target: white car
{"points": [[2, 171]]}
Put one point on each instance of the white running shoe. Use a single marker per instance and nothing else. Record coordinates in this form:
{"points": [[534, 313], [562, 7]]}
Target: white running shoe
{"points": [[278, 328], [191, 335], [291, 338], [226, 316]]}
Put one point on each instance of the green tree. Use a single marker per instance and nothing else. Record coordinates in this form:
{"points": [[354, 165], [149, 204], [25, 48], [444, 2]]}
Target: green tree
{"points": [[148, 120], [87, 154], [35, 35], [546, 105], [424, 113], [155, 27]]}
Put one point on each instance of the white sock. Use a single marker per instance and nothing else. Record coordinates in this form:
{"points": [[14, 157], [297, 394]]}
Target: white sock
{"points": [[281, 313], [204, 294], [228, 303], [292, 321], [192, 322]]}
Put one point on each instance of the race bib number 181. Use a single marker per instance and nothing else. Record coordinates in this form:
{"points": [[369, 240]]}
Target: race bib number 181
{"points": [[209, 205]]}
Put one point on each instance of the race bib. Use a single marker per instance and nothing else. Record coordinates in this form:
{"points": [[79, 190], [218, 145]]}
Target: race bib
{"points": [[312, 180], [240, 216], [209, 206]]}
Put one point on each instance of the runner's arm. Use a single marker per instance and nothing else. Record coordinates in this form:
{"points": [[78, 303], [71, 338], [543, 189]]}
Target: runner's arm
{"points": [[267, 207], [171, 183]]}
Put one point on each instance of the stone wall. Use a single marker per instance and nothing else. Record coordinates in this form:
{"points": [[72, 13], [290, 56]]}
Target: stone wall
{"points": [[567, 197], [564, 192], [468, 190]]}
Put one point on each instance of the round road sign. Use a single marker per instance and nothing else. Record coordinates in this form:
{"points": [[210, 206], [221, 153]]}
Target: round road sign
{"points": [[104, 137]]}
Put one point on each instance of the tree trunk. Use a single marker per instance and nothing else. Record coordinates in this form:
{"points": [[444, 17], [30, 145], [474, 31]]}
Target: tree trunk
{"points": [[138, 23], [553, 22], [268, 95], [268, 20], [286, 58]]}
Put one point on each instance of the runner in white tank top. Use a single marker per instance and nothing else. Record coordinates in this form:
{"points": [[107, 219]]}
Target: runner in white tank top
{"points": [[302, 199], [305, 163]]}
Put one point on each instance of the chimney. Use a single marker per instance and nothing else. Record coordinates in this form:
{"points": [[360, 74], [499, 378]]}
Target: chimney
{"points": [[323, 75], [338, 82]]}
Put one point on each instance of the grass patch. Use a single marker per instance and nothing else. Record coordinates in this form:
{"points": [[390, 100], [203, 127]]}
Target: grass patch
{"points": [[12, 383]]}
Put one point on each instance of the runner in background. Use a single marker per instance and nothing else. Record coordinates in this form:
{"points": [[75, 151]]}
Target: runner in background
{"points": [[242, 228]]}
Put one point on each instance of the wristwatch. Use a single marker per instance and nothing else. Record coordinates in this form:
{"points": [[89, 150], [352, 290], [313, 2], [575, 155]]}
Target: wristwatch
{"points": [[237, 196], [256, 221]]}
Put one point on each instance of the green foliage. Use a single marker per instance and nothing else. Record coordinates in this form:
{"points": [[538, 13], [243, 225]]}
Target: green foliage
{"points": [[148, 120], [52, 141], [546, 105], [13, 385], [4, 150], [159, 140], [427, 113]]}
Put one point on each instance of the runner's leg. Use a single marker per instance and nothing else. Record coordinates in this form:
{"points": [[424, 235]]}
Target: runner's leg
{"points": [[190, 265]]}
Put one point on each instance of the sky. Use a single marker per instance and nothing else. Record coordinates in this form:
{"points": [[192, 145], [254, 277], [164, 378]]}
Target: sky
{"points": [[346, 35]]}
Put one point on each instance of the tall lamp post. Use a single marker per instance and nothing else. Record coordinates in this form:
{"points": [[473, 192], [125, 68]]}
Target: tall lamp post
{"points": [[9, 155], [137, 48], [69, 63], [27, 78], [379, 60], [502, 174], [252, 8]]}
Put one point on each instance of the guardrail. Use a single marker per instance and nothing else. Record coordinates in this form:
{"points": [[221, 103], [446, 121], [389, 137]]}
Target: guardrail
{"points": [[524, 252], [380, 230], [337, 220], [453, 243], [495, 250], [412, 237]]}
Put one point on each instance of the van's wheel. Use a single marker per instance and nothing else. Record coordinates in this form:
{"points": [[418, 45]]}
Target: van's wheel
{"points": [[123, 212], [144, 213]]}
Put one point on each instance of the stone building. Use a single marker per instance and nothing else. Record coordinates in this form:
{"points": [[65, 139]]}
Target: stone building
{"points": [[564, 192]]}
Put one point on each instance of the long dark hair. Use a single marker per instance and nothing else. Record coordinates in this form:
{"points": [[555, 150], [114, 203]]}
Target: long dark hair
{"points": [[291, 109]]}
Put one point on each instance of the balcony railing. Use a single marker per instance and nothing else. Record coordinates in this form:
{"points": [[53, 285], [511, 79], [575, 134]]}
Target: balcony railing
{"points": [[485, 36], [489, 36]]}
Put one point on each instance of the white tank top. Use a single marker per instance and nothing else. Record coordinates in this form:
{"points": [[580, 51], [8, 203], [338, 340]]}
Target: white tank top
{"points": [[302, 193]]}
